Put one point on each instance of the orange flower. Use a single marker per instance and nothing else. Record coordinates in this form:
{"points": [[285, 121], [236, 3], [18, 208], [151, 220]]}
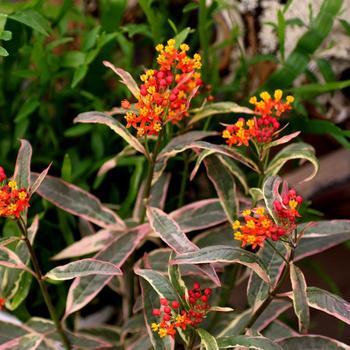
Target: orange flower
{"points": [[263, 127], [2, 303], [165, 93], [13, 200]]}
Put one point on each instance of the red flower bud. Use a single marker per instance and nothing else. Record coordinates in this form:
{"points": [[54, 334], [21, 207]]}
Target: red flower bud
{"points": [[163, 301], [175, 305], [207, 291], [166, 317], [167, 309], [156, 312], [196, 285], [204, 298]]}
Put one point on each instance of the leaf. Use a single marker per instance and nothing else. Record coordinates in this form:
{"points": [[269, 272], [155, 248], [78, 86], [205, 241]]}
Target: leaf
{"points": [[321, 236], [79, 74], [224, 254], [217, 108], [282, 140], [120, 129], [298, 150], [207, 340], [300, 302], [81, 268], [260, 343], [224, 184], [170, 232], [199, 161], [310, 91], [312, 342], [199, 215], [10, 331], [22, 168], [78, 202], [330, 303], [126, 79], [271, 193], [32, 19], [277, 330], [310, 41], [87, 245], [158, 282], [175, 278], [39, 180], [28, 107], [84, 289], [151, 301]]}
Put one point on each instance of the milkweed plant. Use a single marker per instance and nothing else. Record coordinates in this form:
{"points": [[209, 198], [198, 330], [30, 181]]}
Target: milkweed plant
{"points": [[177, 273]]}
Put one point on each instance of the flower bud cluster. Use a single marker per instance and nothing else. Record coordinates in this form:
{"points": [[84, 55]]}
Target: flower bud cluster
{"points": [[287, 209], [173, 315], [165, 93], [12, 200], [262, 127]]}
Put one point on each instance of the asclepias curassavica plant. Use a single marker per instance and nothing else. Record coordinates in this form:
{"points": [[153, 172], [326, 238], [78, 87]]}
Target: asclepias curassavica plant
{"points": [[179, 294]]}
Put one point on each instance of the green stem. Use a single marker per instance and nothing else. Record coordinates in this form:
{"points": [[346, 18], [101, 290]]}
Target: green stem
{"points": [[272, 294], [43, 287], [276, 250], [183, 182]]}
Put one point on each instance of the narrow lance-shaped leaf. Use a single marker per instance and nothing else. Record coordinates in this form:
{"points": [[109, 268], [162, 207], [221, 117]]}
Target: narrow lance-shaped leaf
{"points": [[39, 180], [22, 168], [271, 193], [126, 79], [259, 343], [224, 184], [300, 301], [77, 202], [117, 127], [170, 232], [317, 342], [300, 150], [83, 267], [207, 340], [282, 140], [217, 108], [224, 254]]}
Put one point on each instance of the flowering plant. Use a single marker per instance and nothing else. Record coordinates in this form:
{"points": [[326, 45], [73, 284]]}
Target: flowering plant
{"points": [[251, 230]]}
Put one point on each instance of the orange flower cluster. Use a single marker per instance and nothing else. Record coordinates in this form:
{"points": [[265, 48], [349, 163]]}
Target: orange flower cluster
{"points": [[2, 303], [263, 127], [12, 200], [166, 93], [172, 317]]}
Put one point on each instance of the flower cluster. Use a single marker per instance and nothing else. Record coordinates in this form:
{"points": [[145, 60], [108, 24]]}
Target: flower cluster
{"points": [[264, 125], [166, 93], [173, 316], [258, 225], [2, 303], [12, 200]]}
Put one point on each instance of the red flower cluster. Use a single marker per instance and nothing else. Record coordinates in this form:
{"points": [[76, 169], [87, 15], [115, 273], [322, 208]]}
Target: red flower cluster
{"points": [[2, 303], [259, 226], [173, 317], [263, 127], [166, 93], [12, 200]]}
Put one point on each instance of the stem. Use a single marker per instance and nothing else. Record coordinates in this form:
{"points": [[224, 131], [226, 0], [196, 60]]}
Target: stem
{"points": [[43, 287], [272, 294], [183, 182], [276, 250]]}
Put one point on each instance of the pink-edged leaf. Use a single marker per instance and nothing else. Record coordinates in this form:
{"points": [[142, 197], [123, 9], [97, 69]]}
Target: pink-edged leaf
{"points": [[34, 187], [300, 150], [82, 268], [87, 245], [208, 341], [271, 193], [84, 289], [199, 215], [10, 259], [159, 191], [22, 168], [77, 202], [216, 236], [202, 155], [221, 309], [86, 228], [224, 184], [126, 79], [150, 300], [321, 236], [283, 139], [118, 128], [257, 289], [141, 343], [300, 302], [244, 341], [217, 108], [277, 330], [224, 254], [170, 232], [314, 342]]}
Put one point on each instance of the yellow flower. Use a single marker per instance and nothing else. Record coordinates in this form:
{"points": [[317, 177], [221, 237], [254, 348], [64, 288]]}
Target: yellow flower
{"points": [[236, 225], [250, 224], [253, 100], [290, 99], [162, 332], [154, 327], [278, 94], [226, 134], [293, 203], [265, 96], [13, 185], [184, 47], [260, 210], [250, 123], [22, 195], [246, 212], [159, 47], [238, 236]]}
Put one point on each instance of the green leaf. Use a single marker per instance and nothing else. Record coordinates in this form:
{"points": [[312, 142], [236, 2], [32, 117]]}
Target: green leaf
{"points": [[281, 30], [3, 52], [260, 343], [22, 168], [300, 150], [312, 342], [207, 340], [181, 37], [224, 184], [300, 302], [278, 330], [79, 75], [346, 25], [224, 254], [175, 278], [217, 108], [32, 19], [5, 35], [84, 267]]}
